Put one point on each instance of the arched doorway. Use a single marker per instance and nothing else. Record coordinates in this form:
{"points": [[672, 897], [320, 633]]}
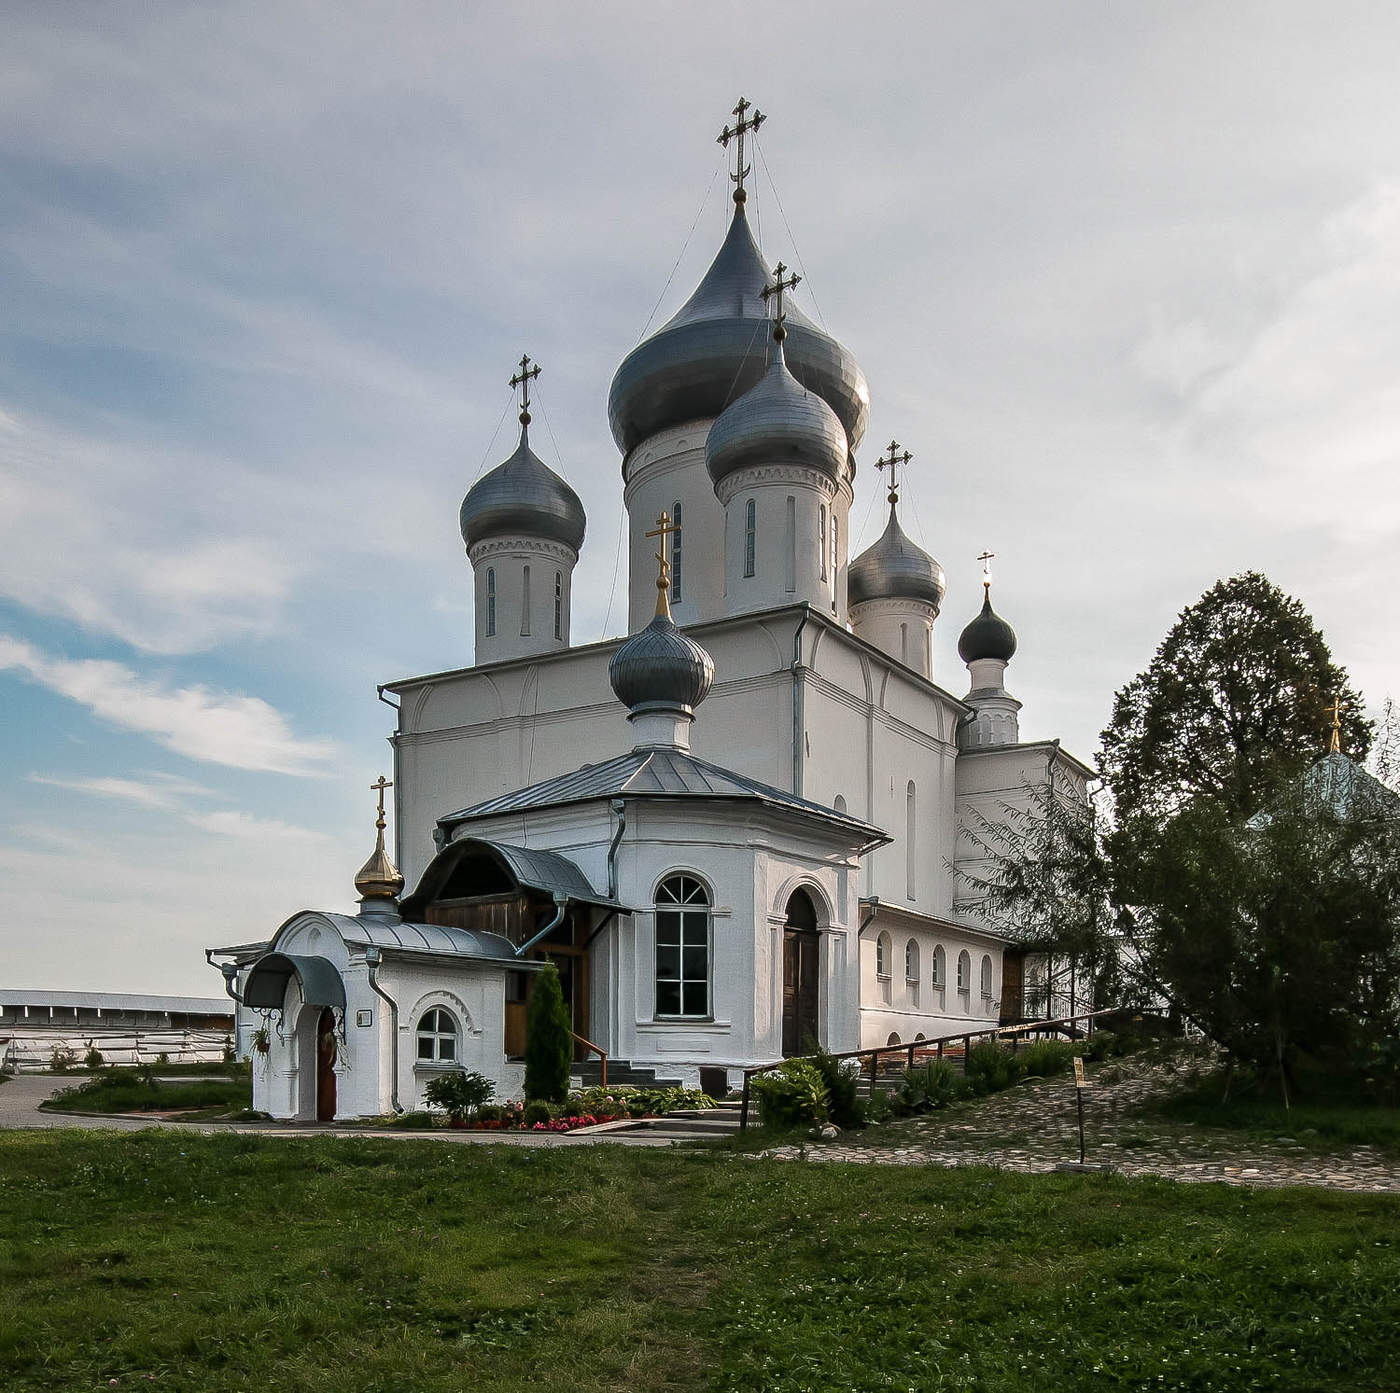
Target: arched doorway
{"points": [[325, 1066], [801, 975]]}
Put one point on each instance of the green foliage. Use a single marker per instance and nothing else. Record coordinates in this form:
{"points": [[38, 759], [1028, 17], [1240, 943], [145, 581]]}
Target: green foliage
{"points": [[61, 1059], [138, 1090], [991, 1068], [93, 1058], [1043, 1059], [626, 1100], [537, 1111], [549, 1048], [842, 1080], [460, 1093], [927, 1087], [411, 1121], [1100, 1045], [792, 1095]]}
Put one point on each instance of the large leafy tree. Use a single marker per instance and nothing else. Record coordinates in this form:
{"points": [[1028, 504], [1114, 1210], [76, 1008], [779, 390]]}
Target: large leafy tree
{"points": [[1234, 704]]}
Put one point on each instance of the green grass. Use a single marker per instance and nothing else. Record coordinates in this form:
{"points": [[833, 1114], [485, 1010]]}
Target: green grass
{"points": [[220, 1089], [1338, 1121], [230, 1262]]}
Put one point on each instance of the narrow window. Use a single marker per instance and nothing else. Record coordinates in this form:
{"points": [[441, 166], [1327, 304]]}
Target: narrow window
{"points": [[964, 973], [835, 548], [911, 961], [490, 601], [839, 805], [904, 644], [928, 651], [750, 535], [910, 827], [790, 546], [940, 969], [821, 536], [525, 602], [677, 555], [986, 981], [437, 1037], [682, 948], [882, 956], [558, 604]]}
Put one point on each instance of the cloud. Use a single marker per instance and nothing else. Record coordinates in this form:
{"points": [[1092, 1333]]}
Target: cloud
{"points": [[145, 794], [247, 827], [241, 732]]}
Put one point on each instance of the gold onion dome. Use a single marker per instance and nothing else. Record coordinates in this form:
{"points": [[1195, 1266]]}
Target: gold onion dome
{"points": [[379, 878]]}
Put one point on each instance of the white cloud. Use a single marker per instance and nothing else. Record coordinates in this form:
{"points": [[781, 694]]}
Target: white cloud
{"points": [[247, 827], [145, 795], [217, 727]]}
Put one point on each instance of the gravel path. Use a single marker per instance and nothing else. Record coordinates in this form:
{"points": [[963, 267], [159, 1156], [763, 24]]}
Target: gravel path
{"points": [[1034, 1128]]}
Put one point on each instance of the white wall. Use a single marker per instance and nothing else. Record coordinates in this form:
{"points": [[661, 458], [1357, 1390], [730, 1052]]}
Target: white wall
{"points": [[525, 613]]}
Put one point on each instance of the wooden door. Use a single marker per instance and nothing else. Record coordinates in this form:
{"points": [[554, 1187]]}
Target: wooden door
{"points": [[325, 1066], [801, 975]]}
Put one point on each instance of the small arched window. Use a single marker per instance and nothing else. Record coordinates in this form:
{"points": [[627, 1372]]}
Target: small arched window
{"points": [[821, 536], [882, 956], [750, 535], [835, 548], [911, 960], [904, 644], [964, 972], [940, 967], [677, 555], [437, 1037], [894, 1038], [910, 827], [682, 947], [839, 805], [525, 602], [490, 601], [986, 978]]}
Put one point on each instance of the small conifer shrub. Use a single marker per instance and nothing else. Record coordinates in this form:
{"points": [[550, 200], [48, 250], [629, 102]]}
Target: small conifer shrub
{"points": [[549, 1048]]}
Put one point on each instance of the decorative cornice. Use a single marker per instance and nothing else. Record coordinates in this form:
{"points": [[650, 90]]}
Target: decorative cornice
{"points": [[867, 609], [760, 476], [493, 546]]}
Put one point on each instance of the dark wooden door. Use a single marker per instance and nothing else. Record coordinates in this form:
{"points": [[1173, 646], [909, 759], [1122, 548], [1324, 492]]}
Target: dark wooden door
{"points": [[801, 974], [325, 1067]]}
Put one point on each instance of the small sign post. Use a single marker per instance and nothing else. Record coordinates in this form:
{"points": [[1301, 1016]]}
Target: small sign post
{"points": [[1080, 1084]]}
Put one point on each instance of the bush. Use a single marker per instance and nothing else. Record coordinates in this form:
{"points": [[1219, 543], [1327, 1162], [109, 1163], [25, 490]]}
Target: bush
{"points": [[93, 1058], [929, 1086], [1043, 1059], [459, 1093], [549, 1048], [626, 1101], [536, 1111], [841, 1077], [793, 1095], [990, 1068], [61, 1059], [490, 1112], [413, 1121]]}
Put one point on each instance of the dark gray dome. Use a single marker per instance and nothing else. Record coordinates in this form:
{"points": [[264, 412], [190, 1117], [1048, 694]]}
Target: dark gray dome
{"points": [[661, 667], [714, 348], [778, 422], [523, 496], [988, 636], [895, 569]]}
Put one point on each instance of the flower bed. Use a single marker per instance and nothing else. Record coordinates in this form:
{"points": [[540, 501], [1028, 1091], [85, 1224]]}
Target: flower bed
{"points": [[584, 1108]]}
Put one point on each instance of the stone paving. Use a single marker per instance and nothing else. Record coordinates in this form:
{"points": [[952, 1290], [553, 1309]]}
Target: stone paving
{"points": [[1033, 1128]]}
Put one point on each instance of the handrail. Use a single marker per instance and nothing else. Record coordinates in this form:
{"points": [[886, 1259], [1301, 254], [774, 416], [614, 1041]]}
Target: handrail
{"points": [[923, 1046], [596, 1049]]}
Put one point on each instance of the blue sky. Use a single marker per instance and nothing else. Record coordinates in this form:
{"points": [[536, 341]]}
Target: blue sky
{"points": [[1125, 280]]}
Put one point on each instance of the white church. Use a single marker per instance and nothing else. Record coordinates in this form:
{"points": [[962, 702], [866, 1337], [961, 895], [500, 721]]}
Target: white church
{"points": [[736, 833]]}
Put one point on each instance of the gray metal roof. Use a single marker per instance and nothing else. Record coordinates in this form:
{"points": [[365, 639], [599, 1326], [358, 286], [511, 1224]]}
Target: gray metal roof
{"points": [[656, 773], [523, 496], [661, 667], [1341, 788], [265, 987], [527, 866], [119, 1001], [895, 569], [715, 348], [777, 422]]}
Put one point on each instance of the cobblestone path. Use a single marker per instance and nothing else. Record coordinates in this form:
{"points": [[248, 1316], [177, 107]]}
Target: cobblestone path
{"points": [[1033, 1128]]}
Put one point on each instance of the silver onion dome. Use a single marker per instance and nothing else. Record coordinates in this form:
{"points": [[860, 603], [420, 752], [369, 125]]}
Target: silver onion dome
{"points": [[661, 668], [523, 496], [713, 349], [988, 636], [894, 568], [778, 422]]}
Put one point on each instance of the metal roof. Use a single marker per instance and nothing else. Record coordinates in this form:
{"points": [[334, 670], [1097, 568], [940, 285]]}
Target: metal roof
{"points": [[523, 495], [531, 867], [893, 568], [405, 937], [265, 987], [988, 635], [661, 666], [658, 773], [119, 1001]]}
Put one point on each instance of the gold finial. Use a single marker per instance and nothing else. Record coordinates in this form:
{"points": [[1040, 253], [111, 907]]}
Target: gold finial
{"points": [[1337, 707], [986, 559], [895, 459], [664, 528], [379, 878], [522, 379], [779, 285], [743, 124]]}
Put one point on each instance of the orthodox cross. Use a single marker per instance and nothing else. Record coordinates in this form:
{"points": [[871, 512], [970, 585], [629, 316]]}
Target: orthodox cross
{"points": [[1337, 707], [892, 463], [664, 528], [744, 123], [522, 379], [986, 559], [378, 787], [777, 289]]}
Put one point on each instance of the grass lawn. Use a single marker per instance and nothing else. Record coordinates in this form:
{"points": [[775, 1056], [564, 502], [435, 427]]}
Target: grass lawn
{"points": [[208, 1089], [231, 1262]]}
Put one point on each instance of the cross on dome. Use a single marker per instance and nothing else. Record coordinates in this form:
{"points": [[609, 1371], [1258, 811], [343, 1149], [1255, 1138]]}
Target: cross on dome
{"points": [[776, 289], [378, 786], [522, 379], [986, 559], [892, 463], [742, 124], [663, 529], [1335, 710]]}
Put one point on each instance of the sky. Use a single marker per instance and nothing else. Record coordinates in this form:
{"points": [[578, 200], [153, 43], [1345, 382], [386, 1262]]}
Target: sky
{"points": [[1125, 279]]}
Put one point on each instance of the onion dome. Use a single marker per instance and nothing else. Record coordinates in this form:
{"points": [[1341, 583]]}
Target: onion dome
{"points": [[523, 497], [988, 636], [661, 667], [379, 879], [714, 349], [778, 422], [895, 569]]}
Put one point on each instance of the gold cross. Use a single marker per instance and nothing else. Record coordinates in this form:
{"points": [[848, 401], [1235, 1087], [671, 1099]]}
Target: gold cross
{"points": [[895, 459], [743, 124], [779, 285], [379, 786], [664, 528], [522, 379], [986, 559], [1336, 709]]}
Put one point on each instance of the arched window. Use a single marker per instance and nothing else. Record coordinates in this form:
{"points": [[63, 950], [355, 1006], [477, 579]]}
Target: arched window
{"points": [[882, 956], [835, 549], [911, 960], [682, 948], [790, 546], [677, 555], [558, 604], [904, 644], [437, 1037], [986, 979], [964, 972], [490, 601], [839, 805], [525, 602], [910, 827], [894, 1038], [750, 535], [940, 967], [821, 536]]}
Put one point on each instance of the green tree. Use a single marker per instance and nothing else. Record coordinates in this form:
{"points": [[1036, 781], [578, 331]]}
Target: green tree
{"points": [[1232, 706], [548, 1045]]}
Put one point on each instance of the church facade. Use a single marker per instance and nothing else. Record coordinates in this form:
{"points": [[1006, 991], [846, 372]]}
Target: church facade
{"points": [[718, 886]]}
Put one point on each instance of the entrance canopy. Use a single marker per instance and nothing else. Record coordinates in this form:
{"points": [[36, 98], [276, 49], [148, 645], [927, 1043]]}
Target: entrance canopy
{"points": [[472, 866], [266, 986]]}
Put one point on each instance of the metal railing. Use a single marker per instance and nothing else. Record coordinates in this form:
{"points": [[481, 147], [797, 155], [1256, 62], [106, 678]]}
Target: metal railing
{"points": [[593, 1049], [957, 1045]]}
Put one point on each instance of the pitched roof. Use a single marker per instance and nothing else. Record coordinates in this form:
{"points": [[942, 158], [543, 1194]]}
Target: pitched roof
{"points": [[658, 773]]}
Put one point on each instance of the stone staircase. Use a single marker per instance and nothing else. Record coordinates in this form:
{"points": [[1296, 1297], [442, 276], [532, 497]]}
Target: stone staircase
{"points": [[698, 1124], [589, 1074]]}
